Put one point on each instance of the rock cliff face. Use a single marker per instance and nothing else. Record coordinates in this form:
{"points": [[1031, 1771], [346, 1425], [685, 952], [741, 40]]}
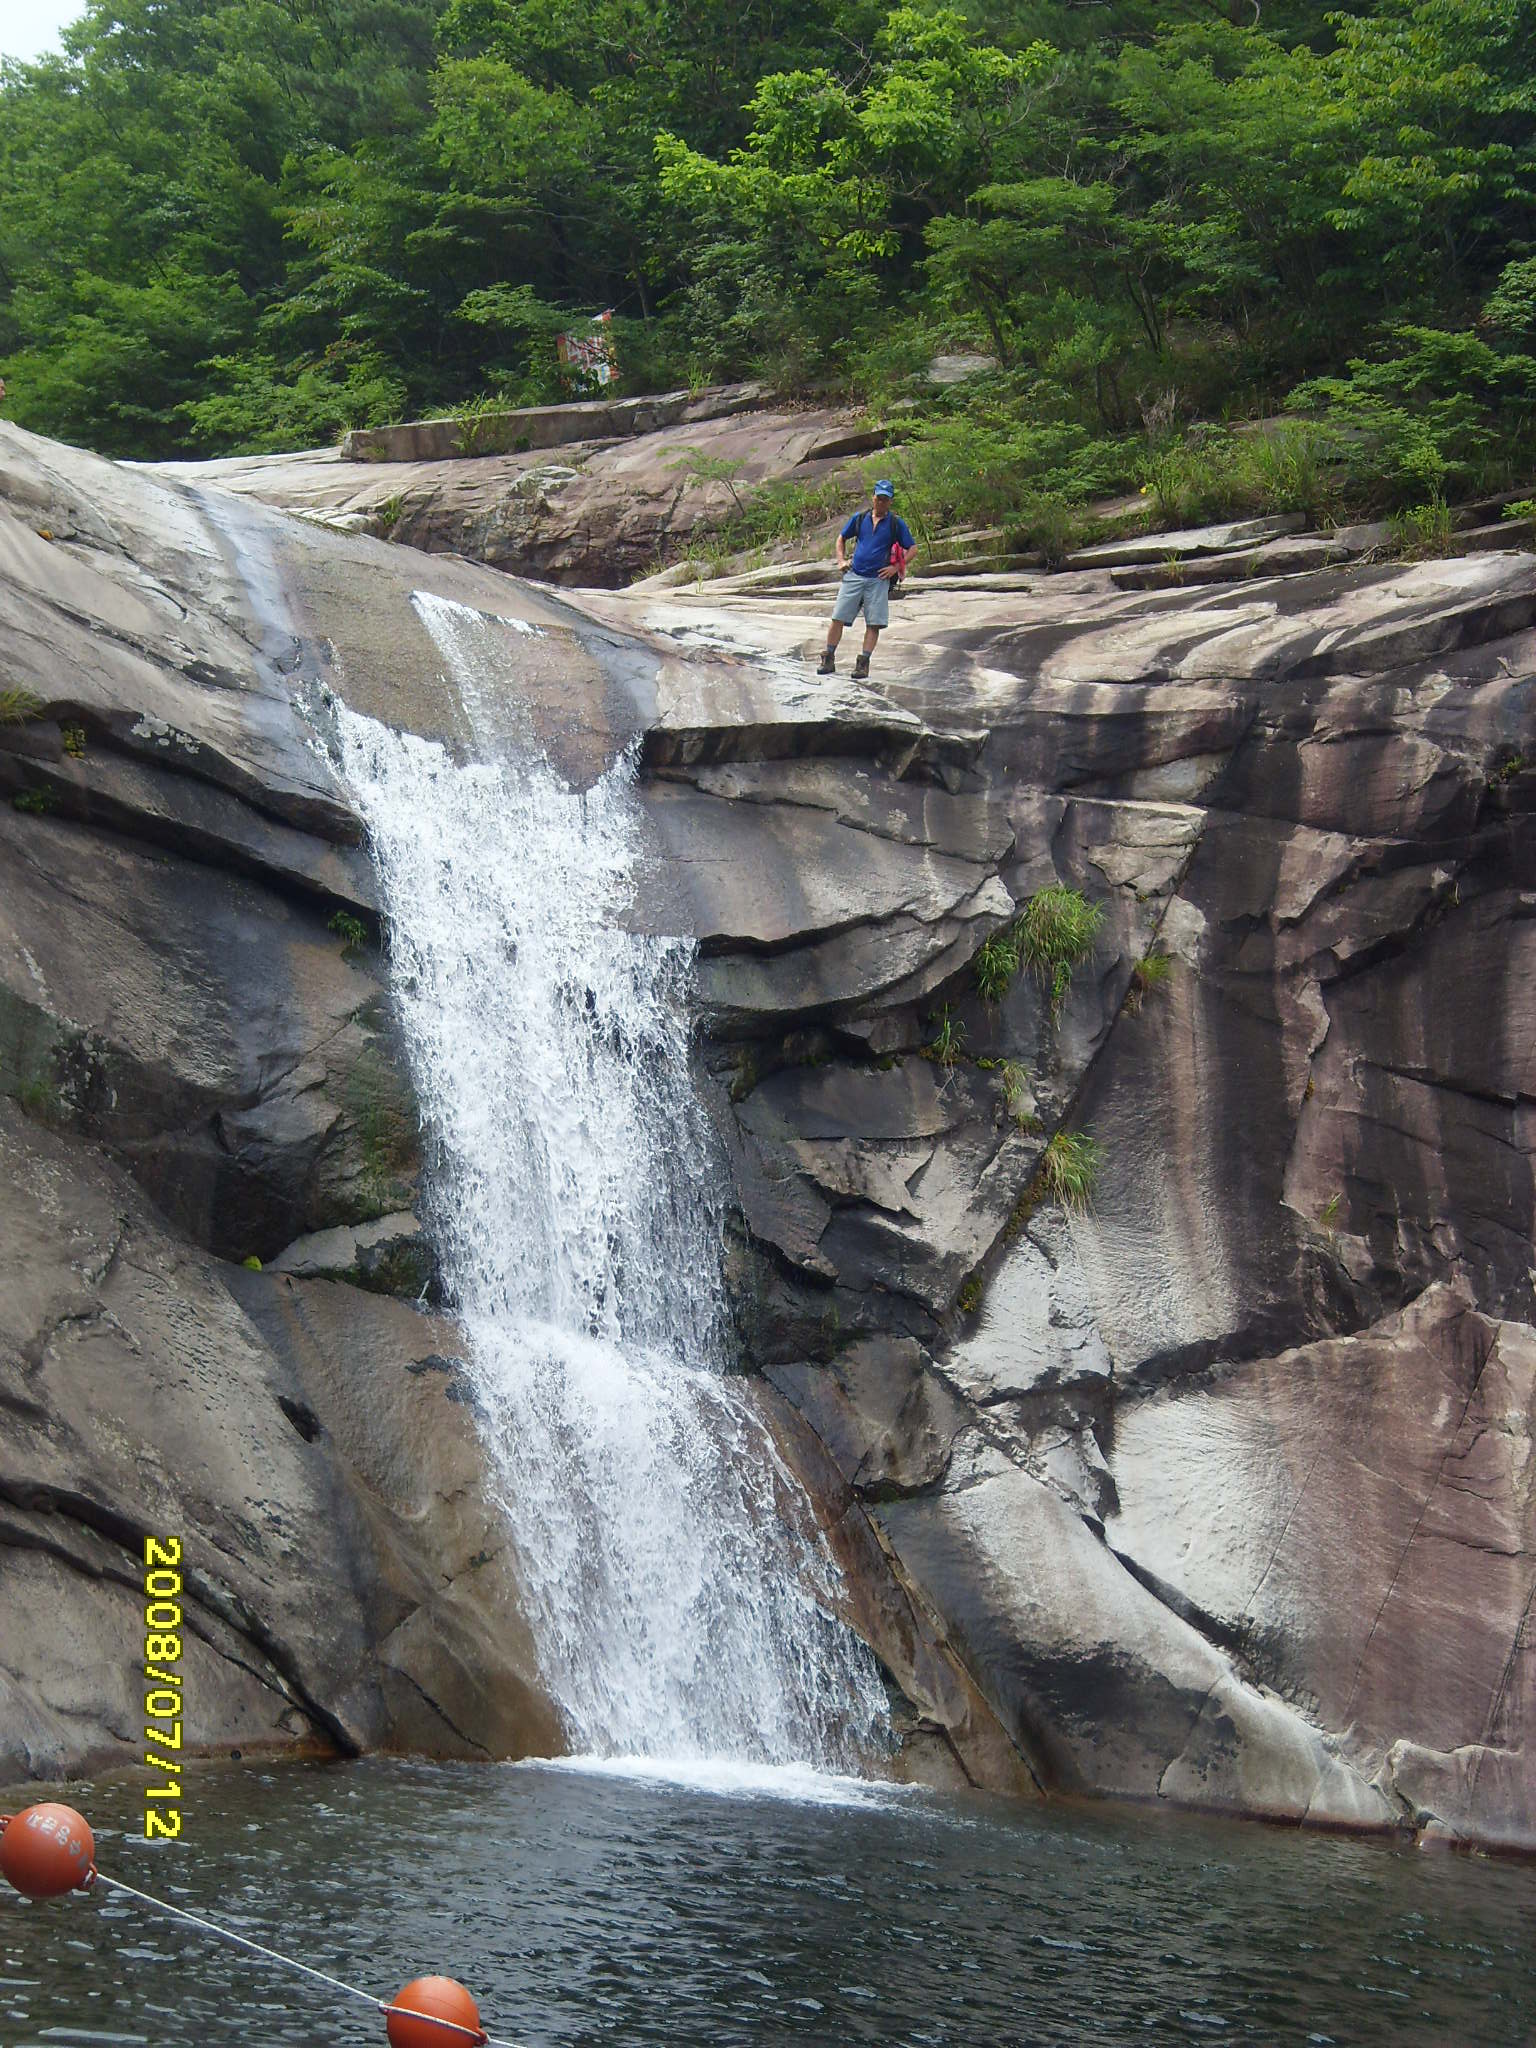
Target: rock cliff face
{"points": [[196, 1068], [1222, 1489], [1218, 1491]]}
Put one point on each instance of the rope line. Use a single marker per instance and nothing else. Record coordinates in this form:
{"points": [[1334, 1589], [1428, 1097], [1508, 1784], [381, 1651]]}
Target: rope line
{"points": [[291, 1963]]}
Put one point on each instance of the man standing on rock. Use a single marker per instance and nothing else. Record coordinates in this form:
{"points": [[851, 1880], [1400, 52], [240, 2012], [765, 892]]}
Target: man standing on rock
{"points": [[866, 584]]}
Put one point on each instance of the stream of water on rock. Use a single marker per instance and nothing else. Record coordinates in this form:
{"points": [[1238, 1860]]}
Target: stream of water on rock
{"points": [[679, 1599]]}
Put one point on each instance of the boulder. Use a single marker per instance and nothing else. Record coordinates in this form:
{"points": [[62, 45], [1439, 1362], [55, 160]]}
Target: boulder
{"points": [[346, 1582]]}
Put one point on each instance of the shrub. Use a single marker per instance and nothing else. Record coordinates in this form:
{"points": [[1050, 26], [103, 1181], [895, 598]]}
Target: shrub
{"points": [[1293, 467], [1192, 480], [984, 466], [1290, 466], [1423, 530], [350, 930], [1047, 526], [1056, 931], [700, 468], [1443, 412]]}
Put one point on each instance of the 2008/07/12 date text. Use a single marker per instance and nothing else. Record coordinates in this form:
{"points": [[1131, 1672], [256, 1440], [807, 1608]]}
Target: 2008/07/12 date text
{"points": [[162, 1685]]}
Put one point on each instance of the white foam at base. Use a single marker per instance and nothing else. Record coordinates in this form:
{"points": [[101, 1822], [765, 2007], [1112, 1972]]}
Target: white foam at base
{"points": [[734, 1778]]}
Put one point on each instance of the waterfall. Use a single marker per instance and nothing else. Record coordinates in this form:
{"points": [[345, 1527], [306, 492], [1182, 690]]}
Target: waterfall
{"points": [[680, 1596]]}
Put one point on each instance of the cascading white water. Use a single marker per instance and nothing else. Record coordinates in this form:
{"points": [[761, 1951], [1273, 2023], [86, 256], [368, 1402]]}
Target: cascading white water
{"points": [[681, 1604]]}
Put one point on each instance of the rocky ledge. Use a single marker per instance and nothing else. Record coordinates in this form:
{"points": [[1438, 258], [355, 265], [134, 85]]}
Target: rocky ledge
{"points": [[1216, 1490]]}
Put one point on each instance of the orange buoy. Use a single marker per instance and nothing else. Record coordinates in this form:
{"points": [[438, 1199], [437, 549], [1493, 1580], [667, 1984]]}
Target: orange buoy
{"points": [[433, 2012], [46, 1849]]}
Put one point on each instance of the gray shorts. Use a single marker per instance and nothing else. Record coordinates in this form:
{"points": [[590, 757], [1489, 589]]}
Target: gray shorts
{"points": [[868, 594]]}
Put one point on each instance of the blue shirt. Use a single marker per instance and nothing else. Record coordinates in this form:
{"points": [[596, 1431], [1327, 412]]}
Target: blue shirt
{"points": [[873, 552]]}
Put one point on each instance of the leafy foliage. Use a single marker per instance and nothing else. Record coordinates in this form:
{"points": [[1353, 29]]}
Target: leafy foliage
{"points": [[257, 224], [351, 930]]}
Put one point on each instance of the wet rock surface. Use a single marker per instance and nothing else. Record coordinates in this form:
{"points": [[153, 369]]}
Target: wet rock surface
{"points": [[1217, 1491]]}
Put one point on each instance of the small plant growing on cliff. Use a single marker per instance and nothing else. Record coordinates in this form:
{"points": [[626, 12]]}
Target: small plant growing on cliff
{"points": [[36, 801], [39, 1096], [1330, 1213], [351, 930], [1423, 530], [389, 514], [1152, 971], [1016, 1096], [699, 468], [1068, 1168], [968, 1300], [17, 705], [73, 737], [995, 965], [948, 1040], [1056, 930]]}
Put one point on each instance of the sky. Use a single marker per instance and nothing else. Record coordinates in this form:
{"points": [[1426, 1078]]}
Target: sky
{"points": [[29, 27]]}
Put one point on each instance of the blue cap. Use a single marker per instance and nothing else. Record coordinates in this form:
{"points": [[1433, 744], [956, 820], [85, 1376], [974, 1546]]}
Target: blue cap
{"points": [[885, 488]]}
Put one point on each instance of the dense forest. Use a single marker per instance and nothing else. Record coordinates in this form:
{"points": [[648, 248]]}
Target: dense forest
{"points": [[247, 224]]}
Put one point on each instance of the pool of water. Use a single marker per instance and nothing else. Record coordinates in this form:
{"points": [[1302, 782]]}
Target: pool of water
{"points": [[602, 1906]]}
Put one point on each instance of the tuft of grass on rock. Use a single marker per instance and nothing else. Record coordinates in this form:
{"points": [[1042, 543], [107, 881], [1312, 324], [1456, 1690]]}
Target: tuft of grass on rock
{"points": [[1068, 1169], [18, 705], [1057, 930], [948, 1042], [1016, 1096], [1152, 971], [995, 965]]}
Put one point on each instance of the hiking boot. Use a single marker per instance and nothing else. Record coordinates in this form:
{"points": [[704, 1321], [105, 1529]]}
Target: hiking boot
{"points": [[827, 666], [861, 668]]}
